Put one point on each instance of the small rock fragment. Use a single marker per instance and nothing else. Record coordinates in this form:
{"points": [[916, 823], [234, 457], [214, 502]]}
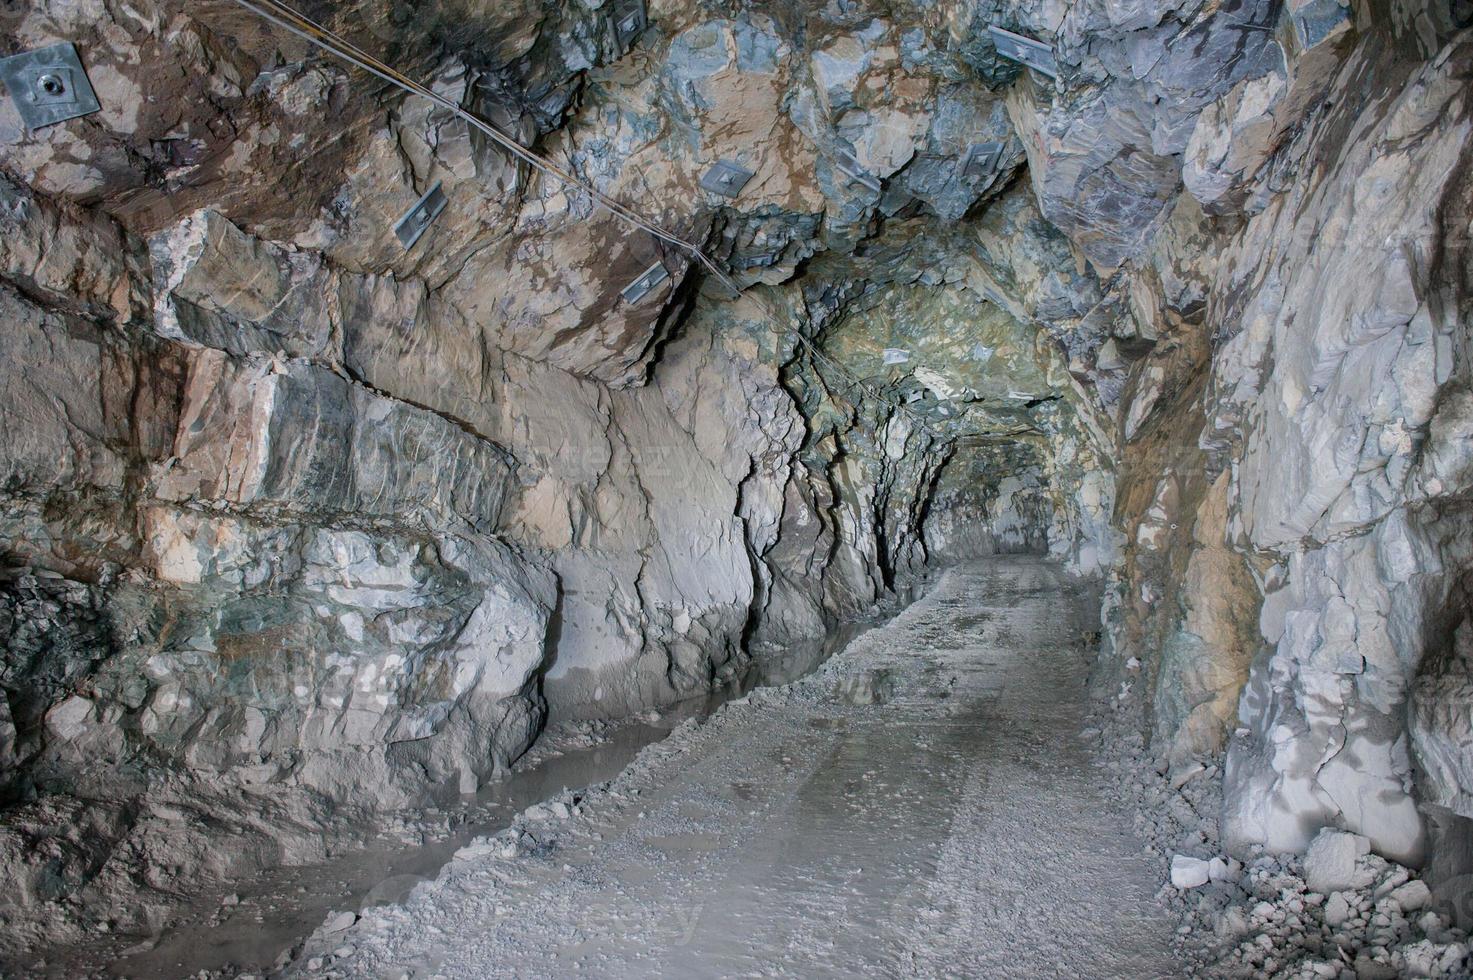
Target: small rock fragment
{"points": [[1412, 896], [339, 922], [1337, 910], [1189, 872]]}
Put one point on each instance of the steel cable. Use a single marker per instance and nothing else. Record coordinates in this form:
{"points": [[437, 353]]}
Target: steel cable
{"points": [[278, 13]]}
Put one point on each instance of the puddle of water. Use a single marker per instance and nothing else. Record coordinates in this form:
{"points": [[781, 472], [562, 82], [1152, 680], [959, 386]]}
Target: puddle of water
{"points": [[280, 907]]}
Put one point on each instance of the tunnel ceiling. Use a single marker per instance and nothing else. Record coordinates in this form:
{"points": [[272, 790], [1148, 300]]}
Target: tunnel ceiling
{"points": [[286, 144], [927, 278]]}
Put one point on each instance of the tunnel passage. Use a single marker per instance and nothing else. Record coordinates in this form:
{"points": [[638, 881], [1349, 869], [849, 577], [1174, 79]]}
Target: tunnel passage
{"points": [[387, 396]]}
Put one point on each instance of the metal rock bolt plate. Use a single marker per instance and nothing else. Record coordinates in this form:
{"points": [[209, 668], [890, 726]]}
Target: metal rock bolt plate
{"points": [[647, 281], [418, 218], [1025, 51], [726, 178], [849, 167], [980, 160], [48, 85], [630, 20]]}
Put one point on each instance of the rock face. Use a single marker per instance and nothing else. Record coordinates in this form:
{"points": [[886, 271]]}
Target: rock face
{"points": [[1343, 495], [1295, 479], [304, 520]]}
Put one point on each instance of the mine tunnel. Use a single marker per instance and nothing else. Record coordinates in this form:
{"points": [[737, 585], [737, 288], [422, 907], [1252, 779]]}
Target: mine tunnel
{"points": [[667, 488]]}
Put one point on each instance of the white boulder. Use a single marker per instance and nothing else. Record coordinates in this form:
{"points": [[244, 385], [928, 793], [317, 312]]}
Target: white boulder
{"points": [[1189, 872]]}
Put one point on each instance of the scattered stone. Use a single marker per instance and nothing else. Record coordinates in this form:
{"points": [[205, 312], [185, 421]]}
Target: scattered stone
{"points": [[478, 848]]}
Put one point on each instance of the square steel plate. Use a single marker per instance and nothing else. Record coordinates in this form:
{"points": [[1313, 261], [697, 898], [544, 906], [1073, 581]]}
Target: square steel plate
{"points": [[726, 178], [980, 160], [1025, 50], [419, 218], [48, 85], [647, 281], [849, 167], [630, 20]]}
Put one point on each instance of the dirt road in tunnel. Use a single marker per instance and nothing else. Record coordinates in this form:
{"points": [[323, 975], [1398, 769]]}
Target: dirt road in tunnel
{"points": [[921, 806]]}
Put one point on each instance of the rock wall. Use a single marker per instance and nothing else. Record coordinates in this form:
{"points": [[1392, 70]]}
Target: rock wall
{"points": [[1289, 491], [307, 572], [312, 562], [300, 525]]}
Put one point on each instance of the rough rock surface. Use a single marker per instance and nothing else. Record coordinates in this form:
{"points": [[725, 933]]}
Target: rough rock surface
{"points": [[327, 525], [301, 524], [1293, 531]]}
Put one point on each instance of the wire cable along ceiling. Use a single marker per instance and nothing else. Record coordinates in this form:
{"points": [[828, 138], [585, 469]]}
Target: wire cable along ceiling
{"points": [[297, 23]]}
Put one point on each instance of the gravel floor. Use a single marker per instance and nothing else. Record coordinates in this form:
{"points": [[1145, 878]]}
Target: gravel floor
{"points": [[923, 805]]}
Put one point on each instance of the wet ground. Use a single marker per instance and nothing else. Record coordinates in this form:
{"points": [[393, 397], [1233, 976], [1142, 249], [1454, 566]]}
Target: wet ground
{"points": [[246, 926], [922, 805]]}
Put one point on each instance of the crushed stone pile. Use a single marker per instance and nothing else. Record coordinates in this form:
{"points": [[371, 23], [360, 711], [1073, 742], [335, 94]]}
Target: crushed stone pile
{"points": [[1337, 912]]}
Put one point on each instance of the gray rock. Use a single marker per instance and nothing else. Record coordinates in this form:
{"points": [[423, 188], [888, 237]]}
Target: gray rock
{"points": [[297, 515], [339, 922], [1329, 864], [218, 287]]}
